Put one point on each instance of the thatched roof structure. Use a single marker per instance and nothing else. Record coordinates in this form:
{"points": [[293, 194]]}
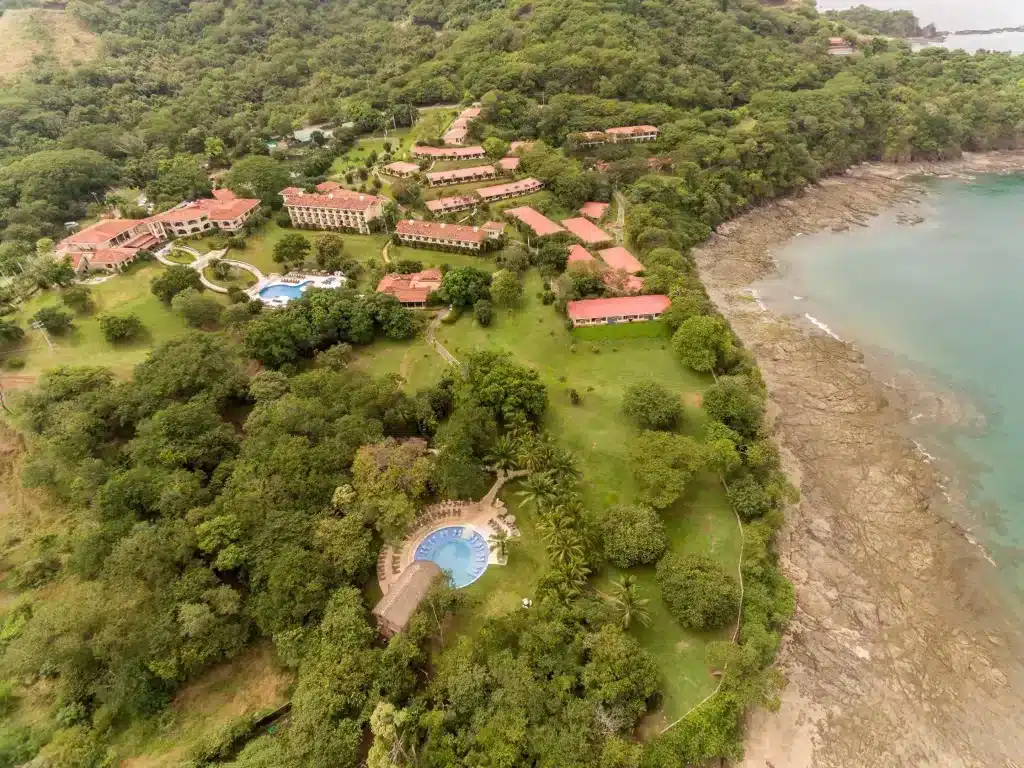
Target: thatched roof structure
{"points": [[396, 607]]}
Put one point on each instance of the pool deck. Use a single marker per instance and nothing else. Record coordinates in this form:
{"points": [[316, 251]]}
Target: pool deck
{"points": [[485, 516]]}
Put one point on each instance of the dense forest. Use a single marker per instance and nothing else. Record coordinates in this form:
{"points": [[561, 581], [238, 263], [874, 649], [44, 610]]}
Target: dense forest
{"points": [[210, 506]]}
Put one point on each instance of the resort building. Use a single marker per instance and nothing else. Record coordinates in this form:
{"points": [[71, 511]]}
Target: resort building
{"points": [[450, 153], [439, 233], [594, 211], [536, 221], [401, 169], [493, 229], [620, 281], [587, 232], [840, 46], [619, 258], [509, 164], [633, 133], [579, 255], [113, 233], [452, 204], [411, 290], [459, 129], [225, 212], [461, 175], [591, 138], [512, 189], [396, 608], [341, 209], [624, 309], [108, 259], [328, 186]]}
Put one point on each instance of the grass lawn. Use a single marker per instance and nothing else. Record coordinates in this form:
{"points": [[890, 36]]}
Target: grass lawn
{"points": [[598, 434], [415, 361], [84, 344], [181, 257], [356, 155]]}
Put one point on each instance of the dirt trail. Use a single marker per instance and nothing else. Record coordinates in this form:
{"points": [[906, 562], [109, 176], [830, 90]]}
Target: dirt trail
{"points": [[897, 655]]}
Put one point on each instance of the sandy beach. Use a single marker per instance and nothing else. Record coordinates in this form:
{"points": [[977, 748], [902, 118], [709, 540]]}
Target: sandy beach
{"points": [[898, 654]]}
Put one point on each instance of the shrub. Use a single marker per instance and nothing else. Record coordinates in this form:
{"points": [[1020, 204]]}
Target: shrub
{"points": [[198, 311], [698, 593], [547, 298], [283, 220], [407, 266], [236, 295], [79, 298], [483, 311], [15, 363], [121, 328], [173, 281], [633, 535], [53, 319], [652, 406]]}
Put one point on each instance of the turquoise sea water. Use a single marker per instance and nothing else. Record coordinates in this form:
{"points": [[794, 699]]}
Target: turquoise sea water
{"points": [[945, 298]]}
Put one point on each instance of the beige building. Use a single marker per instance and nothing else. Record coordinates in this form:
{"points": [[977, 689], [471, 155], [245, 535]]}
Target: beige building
{"points": [[340, 209]]}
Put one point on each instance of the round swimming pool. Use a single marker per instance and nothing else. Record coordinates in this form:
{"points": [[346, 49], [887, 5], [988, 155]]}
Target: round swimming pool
{"points": [[283, 290], [458, 550]]}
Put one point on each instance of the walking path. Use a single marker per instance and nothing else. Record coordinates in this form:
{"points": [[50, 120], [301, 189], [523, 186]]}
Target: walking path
{"points": [[431, 330], [202, 261], [620, 216]]}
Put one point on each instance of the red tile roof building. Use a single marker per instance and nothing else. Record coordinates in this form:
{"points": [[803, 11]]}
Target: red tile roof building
{"points": [[540, 224], [512, 189], [109, 259], [459, 129], [620, 281], [401, 169], [621, 135], [452, 204], [619, 258], [624, 309], [509, 163], [461, 175], [411, 290], [579, 255], [342, 209], [594, 211], [589, 233], [226, 212], [493, 229], [440, 233], [449, 153]]}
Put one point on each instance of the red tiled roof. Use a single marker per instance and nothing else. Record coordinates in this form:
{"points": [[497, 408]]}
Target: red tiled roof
{"points": [[594, 210], [631, 130], [596, 309], [521, 187], [342, 200], [456, 152], [578, 254], [535, 220], [440, 230], [400, 166], [619, 258], [410, 289], [451, 203], [100, 232], [492, 226], [587, 232], [232, 209], [328, 186], [469, 113], [290, 191], [630, 284], [462, 173], [110, 256], [224, 194], [509, 163], [215, 210]]}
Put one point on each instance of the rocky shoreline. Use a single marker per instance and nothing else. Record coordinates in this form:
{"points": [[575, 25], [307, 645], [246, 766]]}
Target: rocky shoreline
{"points": [[898, 654]]}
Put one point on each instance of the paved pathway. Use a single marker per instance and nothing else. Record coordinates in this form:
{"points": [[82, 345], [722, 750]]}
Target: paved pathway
{"points": [[431, 330], [202, 261]]}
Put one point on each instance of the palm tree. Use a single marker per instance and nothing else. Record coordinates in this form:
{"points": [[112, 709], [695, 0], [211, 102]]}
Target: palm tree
{"points": [[538, 489], [503, 453], [564, 546], [626, 602], [498, 544], [560, 464]]}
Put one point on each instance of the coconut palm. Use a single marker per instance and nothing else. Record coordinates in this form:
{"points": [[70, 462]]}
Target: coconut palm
{"points": [[560, 464], [498, 544], [564, 546], [538, 490], [503, 453], [626, 602]]}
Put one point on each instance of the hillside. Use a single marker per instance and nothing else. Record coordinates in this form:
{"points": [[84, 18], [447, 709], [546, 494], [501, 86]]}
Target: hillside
{"points": [[30, 32]]}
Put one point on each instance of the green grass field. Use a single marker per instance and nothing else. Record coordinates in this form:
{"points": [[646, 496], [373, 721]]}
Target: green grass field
{"points": [[242, 278], [598, 433], [84, 344]]}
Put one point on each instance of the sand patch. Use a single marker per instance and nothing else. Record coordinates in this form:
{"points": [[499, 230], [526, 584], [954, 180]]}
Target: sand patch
{"points": [[29, 32]]}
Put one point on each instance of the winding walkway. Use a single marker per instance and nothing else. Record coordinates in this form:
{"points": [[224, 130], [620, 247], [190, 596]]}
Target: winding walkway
{"points": [[432, 341], [202, 261]]}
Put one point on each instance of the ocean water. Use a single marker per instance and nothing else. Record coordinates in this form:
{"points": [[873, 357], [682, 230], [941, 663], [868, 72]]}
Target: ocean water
{"points": [[949, 15], [945, 299]]}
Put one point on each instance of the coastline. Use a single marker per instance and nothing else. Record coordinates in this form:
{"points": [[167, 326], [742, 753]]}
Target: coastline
{"points": [[897, 654]]}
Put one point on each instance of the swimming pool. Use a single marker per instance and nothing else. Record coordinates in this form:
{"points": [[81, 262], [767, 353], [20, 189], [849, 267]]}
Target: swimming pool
{"points": [[283, 290], [458, 550]]}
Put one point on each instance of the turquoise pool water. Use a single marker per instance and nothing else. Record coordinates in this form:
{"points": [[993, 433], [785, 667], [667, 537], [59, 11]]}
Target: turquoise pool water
{"points": [[283, 290], [459, 551]]}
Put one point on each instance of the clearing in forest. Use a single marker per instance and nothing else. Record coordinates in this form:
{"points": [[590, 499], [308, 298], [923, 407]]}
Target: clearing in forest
{"points": [[27, 33]]}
